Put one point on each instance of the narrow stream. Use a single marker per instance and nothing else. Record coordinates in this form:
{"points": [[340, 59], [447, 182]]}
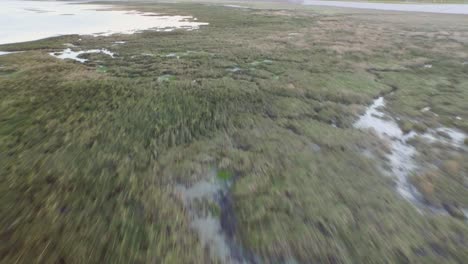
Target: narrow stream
{"points": [[401, 157]]}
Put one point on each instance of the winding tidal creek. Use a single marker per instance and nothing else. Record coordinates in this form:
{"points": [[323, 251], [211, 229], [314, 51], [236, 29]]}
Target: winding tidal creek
{"points": [[401, 158]]}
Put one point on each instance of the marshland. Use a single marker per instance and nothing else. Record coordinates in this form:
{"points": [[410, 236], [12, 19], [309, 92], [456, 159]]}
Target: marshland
{"points": [[232, 132]]}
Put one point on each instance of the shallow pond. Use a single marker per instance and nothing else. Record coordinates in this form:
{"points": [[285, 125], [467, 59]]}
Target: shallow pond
{"points": [[22, 21]]}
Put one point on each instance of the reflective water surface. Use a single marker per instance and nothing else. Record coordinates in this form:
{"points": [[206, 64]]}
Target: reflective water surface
{"points": [[22, 21], [402, 154]]}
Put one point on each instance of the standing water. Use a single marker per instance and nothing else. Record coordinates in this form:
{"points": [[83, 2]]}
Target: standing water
{"points": [[22, 21], [4, 53], [212, 216], [75, 55], [402, 154]]}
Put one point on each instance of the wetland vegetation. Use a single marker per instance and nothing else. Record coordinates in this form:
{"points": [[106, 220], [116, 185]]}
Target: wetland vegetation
{"points": [[101, 159]]}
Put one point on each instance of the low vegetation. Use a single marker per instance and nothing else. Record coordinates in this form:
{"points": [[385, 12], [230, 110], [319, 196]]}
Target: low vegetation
{"points": [[91, 153]]}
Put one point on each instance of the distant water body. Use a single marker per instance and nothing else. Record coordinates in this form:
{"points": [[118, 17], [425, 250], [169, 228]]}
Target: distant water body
{"points": [[427, 8], [22, 21]]}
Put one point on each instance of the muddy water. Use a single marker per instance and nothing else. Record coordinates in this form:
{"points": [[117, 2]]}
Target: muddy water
{"points": [[405, 7], [402, 155], [211, 215], [32, 20]]}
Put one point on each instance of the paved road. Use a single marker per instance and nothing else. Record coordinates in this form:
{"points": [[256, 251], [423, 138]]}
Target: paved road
{"points": [[429, 8]]}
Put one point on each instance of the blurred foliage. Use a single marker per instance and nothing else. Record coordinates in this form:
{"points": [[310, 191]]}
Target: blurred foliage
{"points": [[90, 153]]}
